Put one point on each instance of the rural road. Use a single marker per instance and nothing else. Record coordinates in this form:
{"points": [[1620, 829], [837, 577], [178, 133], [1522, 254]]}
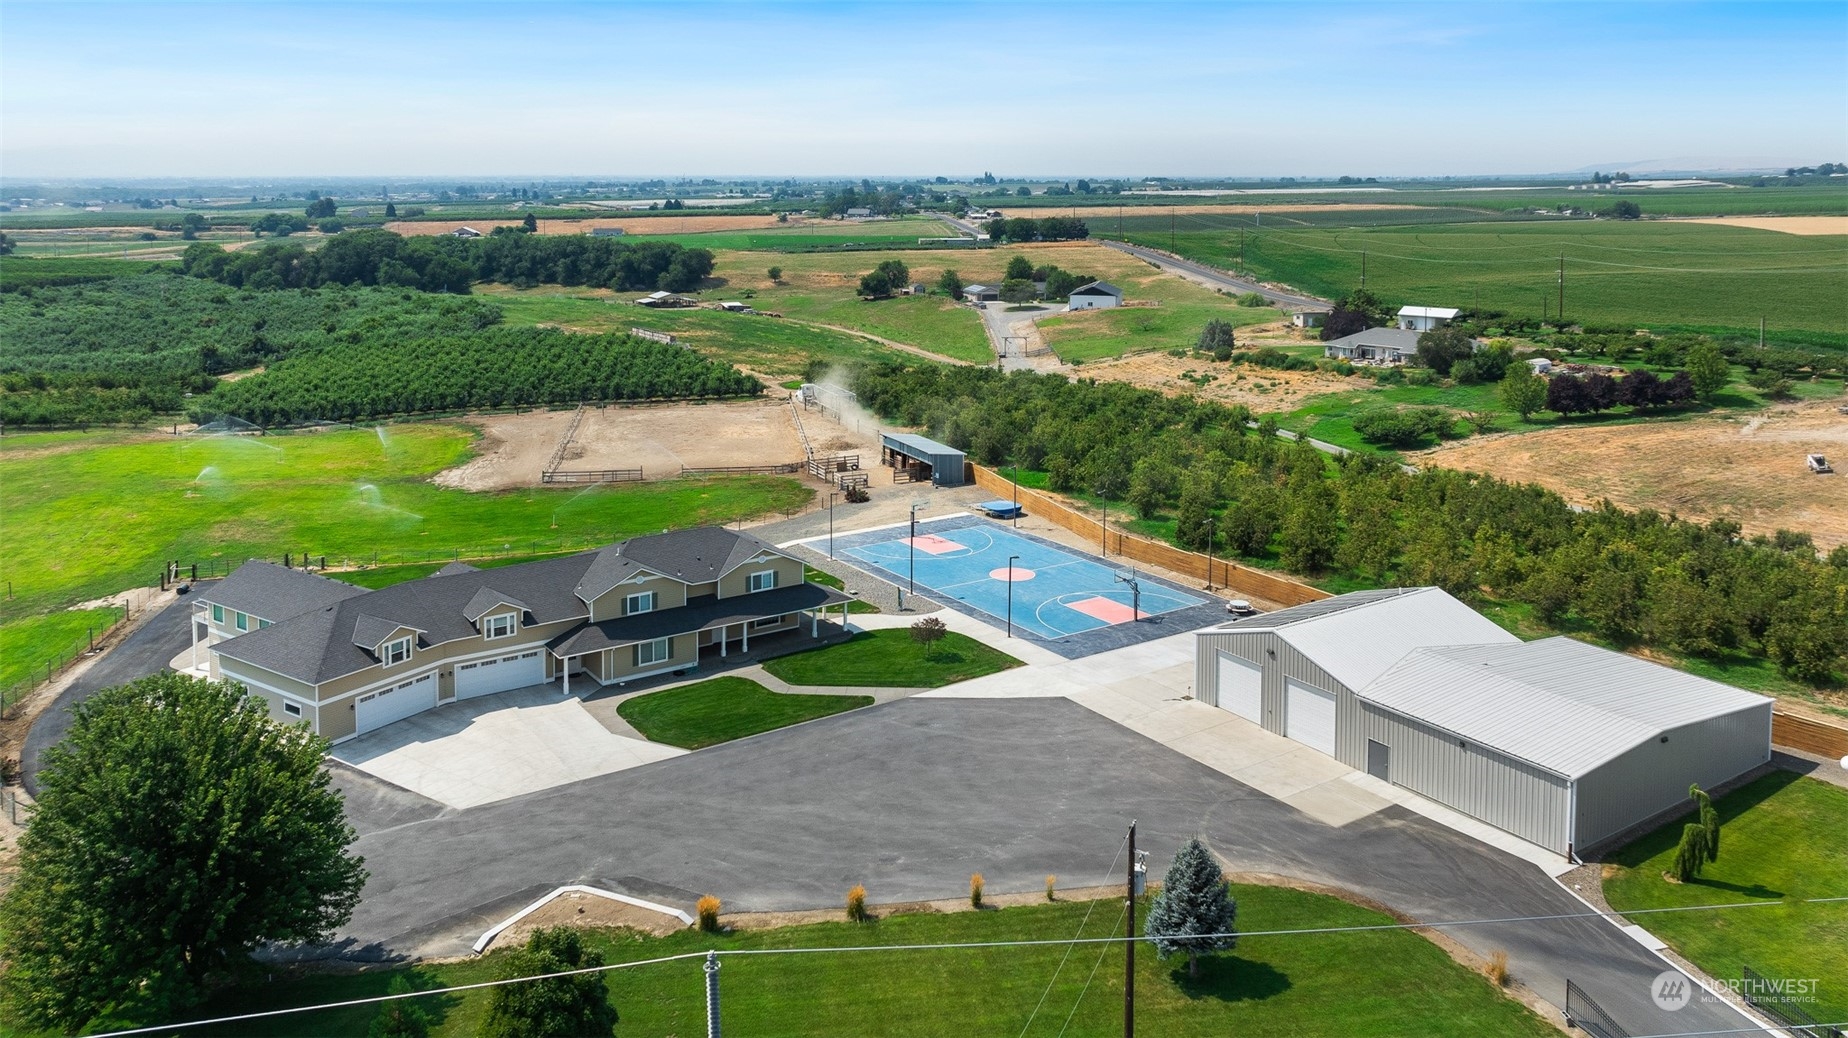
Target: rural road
{"points": [[1213, 277], [912, 796]]}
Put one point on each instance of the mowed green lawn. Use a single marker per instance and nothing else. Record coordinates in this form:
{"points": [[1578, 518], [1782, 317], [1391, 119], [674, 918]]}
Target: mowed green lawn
{"points": [[1783, 838], [1357, 985], [890, 659], [1649, 273], [82, 523], [718, 710]]}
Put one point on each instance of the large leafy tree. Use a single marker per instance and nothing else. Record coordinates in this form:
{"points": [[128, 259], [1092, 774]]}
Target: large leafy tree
{"points": [[178, 828], [1522, 391], [1355, 312], [1708, 368], [1441, 348], [1195, 912], [557, 1007]]}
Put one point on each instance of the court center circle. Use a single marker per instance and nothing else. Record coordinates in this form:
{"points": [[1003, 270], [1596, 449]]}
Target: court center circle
{"points": [[1019, 574]]}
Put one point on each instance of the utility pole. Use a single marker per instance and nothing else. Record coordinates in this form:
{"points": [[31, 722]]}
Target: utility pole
{"points": [[1241, 250], [1363, 270], [1170, 231], [1129, 940], [1562, 286], [1761, 333], [1212, 522], [712, 994]]}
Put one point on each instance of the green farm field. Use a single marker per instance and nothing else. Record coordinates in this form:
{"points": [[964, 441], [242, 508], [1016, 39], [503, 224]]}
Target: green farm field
{"points": [[1814, 197], [89, 518], [1653, 274], [1356, 985]]}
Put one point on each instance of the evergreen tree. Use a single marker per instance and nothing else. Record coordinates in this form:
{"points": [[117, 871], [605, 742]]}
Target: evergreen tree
{"points": [[1018, 269], [1692, 852], [403, 1018], [1195, 912], [1709, 821], [950, 284]]}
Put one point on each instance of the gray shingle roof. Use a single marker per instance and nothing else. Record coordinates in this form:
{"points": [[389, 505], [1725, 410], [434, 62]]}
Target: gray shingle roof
{"points": [[1097, 288], [1557, 703], [486, 599], [328, 642], [454, 568], [275, 593], [1391, 338]]}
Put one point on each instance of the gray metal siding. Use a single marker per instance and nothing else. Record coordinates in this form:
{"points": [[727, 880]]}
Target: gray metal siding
{"points": [[1259, 647], [1655, 776], [1506, 793]]}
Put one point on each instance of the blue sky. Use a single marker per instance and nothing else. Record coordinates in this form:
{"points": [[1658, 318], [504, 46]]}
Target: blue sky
{"points": [[1023, 88]]}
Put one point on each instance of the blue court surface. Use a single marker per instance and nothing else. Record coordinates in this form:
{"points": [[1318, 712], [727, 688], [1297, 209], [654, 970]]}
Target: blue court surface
{"points": [[1057, 593]]}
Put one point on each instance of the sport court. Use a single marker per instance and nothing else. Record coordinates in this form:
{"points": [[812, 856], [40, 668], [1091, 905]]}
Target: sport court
{"points": [[1056, 593]]}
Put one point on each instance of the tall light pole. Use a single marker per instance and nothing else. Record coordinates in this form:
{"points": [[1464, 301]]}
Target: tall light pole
{"points": [[913, 542], [1103, 533], [831, 498], [1013, 466], [1010, 594]]}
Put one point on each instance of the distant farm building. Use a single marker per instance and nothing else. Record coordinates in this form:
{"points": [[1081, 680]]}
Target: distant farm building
{"points": [[665, 300], [1425, 318], [1098, 295], [918, 288], [1308, 318], [981, 293], [606, 232], [1374, 346], [735, 307], [922, 459], [466, 232], [1540, 366], [859, 213]]}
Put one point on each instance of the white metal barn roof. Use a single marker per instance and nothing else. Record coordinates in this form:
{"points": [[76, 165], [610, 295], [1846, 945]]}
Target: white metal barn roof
{"points": [[1446, 313], [1561, 704], [1356, 637]]}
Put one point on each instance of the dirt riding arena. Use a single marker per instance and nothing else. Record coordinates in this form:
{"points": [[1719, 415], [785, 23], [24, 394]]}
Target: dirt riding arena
{"points": [[1261, 389], [1748, 469], [658, 438], [1786, 224]]}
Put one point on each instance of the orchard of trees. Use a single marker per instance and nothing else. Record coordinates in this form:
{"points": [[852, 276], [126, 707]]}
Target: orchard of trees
{"points": [[1027, 229], [440, 263], [1638, 578], [498, 367]]}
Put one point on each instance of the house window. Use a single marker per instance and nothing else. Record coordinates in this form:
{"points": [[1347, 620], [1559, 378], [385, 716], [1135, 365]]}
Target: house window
{"points": [[218, 614], [243, 622], [262, 623], [654, 651], [291, 709], [641, 602], [498, 626], [763, 581], [396, 651], [767, 621]]}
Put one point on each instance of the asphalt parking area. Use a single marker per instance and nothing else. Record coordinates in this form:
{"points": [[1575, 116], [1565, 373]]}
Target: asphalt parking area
{"points": [[482, 750], [910, 797]]}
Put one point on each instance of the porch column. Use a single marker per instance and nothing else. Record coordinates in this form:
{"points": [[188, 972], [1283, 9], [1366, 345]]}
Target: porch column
{"points": [[192, 621], [815, 623], [745, 630], [564, 672], [724, 638]]}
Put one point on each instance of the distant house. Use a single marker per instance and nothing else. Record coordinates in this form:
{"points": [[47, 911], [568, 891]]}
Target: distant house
{"points": [[351, 212], [735, 307], [981, 293], [859, 213], [1540, 365], [1425, 318], [918, 288], [1374, 346], [1308, 318], [1098, 295], [606, 232], [466, 232]]}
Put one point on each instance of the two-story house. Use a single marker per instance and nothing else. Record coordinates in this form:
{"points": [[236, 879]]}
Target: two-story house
{"points": [[346, 661]]}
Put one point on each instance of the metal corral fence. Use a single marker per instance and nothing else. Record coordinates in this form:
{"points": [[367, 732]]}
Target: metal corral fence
{"points": [[1582, 1012], [1774, 998], [633, 475], [1216, 572], [785, 469]]}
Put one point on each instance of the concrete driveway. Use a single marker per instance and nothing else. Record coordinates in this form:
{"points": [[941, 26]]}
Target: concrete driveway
{"points": [[482, 750]]}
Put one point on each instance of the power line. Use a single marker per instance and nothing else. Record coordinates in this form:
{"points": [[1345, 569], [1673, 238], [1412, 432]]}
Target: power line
{"points": [[977, 945], [1108, 871]]}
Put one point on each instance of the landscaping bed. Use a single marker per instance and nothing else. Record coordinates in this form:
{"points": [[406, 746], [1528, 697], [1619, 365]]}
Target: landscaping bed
{"points": [[890, 659]]}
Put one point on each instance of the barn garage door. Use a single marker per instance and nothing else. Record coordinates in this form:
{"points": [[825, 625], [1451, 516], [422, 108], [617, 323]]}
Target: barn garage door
{"points": [[377, 709], [1241, 687], [1311, 716], [486, 677]]}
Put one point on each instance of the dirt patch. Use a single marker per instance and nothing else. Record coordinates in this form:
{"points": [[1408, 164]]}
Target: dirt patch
{"points": [[658, 438], [1788, 224], [1749, 470], [638, 225], [1099, 215], [588, 911], [1261, 389]]}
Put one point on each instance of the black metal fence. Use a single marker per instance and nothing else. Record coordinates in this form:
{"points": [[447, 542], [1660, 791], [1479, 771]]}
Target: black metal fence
{"points": [[1776, 999], [1585, 1013]]}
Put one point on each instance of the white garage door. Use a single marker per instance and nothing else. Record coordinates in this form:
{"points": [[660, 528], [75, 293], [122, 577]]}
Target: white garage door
{"points": [[376, 709], [1241, 687], [1311, 716], [486, 677]]}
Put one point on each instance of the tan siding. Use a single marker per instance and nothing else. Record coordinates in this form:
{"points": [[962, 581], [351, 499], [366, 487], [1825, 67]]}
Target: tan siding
{"points": [[669, 594], [738, 582], [338, 720], [444, 655], [685, 654]]}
